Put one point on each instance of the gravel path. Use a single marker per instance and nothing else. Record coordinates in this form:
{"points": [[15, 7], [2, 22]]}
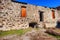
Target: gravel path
{"points": [[32, 35]]}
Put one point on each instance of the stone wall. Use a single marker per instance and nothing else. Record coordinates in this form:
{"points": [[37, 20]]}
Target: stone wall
{"points": [[10, 16]]}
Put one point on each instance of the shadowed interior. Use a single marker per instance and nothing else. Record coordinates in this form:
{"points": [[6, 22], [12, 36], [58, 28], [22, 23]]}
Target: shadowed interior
{"points": [[32, 24]]}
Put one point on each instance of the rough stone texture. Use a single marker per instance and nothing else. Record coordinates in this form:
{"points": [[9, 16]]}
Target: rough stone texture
{"points": [[54, 31], [10, 16]]}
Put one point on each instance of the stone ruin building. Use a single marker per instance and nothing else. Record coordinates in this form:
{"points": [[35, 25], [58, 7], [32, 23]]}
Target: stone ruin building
{"points": [[19, 15]]}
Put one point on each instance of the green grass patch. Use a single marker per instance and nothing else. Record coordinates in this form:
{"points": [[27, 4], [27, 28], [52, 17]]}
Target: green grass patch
{"points": [[18, 32]]}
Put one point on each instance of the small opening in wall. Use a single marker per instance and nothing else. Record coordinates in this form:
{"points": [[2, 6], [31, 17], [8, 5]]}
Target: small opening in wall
{"points": [[41, 15], [58, 24], [33, 24], [23, 11], [53, 14]]}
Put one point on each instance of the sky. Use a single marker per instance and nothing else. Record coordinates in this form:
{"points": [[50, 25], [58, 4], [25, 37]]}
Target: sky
{"points": [[48, 3]]}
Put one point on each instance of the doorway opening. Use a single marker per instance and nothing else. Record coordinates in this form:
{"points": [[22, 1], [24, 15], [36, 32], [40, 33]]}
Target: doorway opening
{"points": [[53, 14], [23, 11], [33, 24], [41, 15]]}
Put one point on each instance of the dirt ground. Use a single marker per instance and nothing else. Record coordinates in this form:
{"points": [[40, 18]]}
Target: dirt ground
{"points": [[31, 35]]}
